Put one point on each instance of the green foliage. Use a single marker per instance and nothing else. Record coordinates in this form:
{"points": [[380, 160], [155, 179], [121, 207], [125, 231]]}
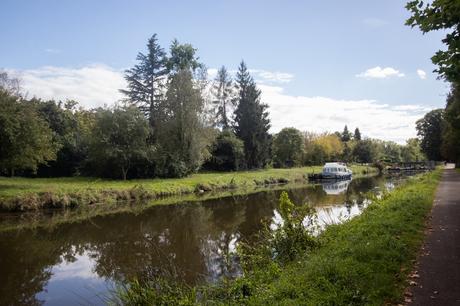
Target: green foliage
{"points": [[319, 148], [158, 291], [294, 237], [412, 151], [440, 15], [183, 139], [357, 135], [251, 121], [430, 130], [182, 57], [390, 151], [346, 135], [146, 82], [288, 148], [68, 133], [433, 16], [224, 100], [451, 137], [365, 151], [227, 153], [10, 85], [119, 140], [364, 261], [26, 140], [164, 88]]}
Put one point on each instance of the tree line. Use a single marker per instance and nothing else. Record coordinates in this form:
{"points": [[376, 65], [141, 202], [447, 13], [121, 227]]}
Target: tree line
{"points": [[439, 130], [292, 147], [172, 122]]}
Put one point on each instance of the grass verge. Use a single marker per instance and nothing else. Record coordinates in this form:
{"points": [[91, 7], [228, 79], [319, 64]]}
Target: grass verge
{"points": [[364, 261], [20, 194]]}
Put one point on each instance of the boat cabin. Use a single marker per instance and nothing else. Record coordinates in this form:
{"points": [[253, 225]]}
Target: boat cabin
{"points": [[336, 170]]}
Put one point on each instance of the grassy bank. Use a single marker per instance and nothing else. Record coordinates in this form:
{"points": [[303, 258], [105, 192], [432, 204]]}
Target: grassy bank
{"points": [[364, 261], [34, 193]]}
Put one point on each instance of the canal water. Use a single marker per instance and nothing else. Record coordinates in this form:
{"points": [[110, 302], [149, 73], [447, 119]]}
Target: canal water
{"points": [[81, 263]]}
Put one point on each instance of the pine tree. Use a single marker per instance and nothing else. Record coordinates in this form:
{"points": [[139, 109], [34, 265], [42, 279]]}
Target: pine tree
{"points": [[346, 136], [357, 135], [223, 97], [251, 120], [146, 82]]}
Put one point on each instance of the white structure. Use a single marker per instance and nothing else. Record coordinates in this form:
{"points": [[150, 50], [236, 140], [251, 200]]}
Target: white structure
{"points": [[336, 171], [336, 188]]}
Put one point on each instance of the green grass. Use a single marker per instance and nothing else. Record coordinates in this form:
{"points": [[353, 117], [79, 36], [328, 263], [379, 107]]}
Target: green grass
{"points": [[364, 261], [32, 193]]}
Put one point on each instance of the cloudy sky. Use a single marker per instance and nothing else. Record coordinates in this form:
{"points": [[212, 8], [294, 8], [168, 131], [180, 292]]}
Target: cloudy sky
{"points": [[320, 64]]}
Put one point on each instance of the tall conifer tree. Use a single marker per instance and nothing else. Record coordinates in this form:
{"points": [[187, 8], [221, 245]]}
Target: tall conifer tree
{"points": [[251, 120], [146, 82]]}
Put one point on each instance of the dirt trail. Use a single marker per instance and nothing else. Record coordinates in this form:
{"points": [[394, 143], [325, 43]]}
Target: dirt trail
{"points": [[437, 279]]}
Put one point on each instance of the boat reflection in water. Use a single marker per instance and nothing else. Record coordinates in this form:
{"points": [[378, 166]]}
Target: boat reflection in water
{"points": [[335, 188], [337, 192]]}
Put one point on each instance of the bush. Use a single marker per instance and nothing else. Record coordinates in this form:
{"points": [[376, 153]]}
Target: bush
{"points": [[227, 153]]}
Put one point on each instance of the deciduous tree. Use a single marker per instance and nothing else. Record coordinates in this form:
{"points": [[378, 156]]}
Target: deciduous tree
{"points": [[119, 139], [288, 148], [440, 15], [224, 100], [26, 141], [430, 130]]}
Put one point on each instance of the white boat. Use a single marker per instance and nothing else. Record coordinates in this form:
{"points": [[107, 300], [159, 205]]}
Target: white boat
{"points": [[336, 170]]}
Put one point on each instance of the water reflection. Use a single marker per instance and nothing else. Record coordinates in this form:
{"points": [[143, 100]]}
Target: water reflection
{"points": [[336, 187], [78, 263]]}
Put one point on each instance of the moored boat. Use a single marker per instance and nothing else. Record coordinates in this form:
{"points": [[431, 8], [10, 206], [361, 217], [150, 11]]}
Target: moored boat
{"points": [[335, 171]]}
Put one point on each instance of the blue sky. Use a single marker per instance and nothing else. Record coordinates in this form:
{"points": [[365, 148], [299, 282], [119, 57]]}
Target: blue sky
{"points": [[299, 50]]}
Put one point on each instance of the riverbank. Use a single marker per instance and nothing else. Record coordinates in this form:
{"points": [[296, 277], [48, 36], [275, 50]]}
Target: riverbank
{"points": [[364, 261], [23, 194]]}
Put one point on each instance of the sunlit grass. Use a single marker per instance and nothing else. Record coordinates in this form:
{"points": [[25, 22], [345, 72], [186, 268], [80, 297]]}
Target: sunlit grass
{"points": [[16, 188]]}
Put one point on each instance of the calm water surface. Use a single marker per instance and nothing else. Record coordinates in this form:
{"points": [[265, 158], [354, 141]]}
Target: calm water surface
{"points": [[80, 263]]}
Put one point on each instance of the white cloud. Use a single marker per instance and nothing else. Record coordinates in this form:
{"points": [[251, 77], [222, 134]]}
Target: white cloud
{"points": [[92, 86], [212, 73], [271, 77], [322, 114], [421, 74], [81, 267], [261, 76], [380, 73], [97, 85]]}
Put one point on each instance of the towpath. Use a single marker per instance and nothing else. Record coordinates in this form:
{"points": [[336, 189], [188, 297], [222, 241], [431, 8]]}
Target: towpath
{"points": [[437, 278]]}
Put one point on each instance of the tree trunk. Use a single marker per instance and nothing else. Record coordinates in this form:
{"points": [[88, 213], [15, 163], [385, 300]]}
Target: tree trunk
{"points": [[124, 172], [12, 172]]}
